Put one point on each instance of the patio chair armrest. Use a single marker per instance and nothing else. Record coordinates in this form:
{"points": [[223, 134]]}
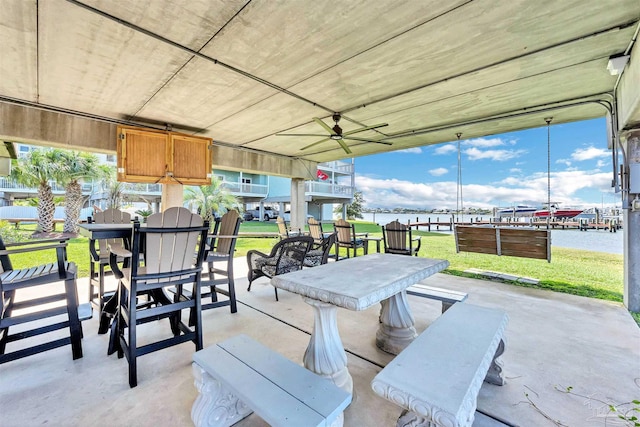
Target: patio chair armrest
{"points": [[60, 245], [257, 252], [34, 245], [43, 244], [93, 251], [117, 250], [418, 240], [25, 250], [37, 242]]}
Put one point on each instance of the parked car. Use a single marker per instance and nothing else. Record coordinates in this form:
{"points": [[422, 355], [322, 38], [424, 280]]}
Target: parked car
{"points": [[269, 213], [247, 216]]}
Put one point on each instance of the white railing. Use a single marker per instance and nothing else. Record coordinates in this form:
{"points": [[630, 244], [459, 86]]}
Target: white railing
{"points": [[238, 188], [328, 189], [128, 187], [142, 188], [7, 184], [337, 166]]}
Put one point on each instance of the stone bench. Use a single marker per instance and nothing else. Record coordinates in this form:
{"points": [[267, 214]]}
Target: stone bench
{"points": [[239, 376], [447, 297], [436, 379]]}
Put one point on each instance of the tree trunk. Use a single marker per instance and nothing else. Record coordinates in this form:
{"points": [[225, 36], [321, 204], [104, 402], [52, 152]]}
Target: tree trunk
{"points": [[46, 208], [73, 204]]}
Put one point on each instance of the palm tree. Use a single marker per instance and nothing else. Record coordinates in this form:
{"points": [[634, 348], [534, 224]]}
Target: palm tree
{"points": [[111, 186], [211, 200], [36, 169], [75, 167]]}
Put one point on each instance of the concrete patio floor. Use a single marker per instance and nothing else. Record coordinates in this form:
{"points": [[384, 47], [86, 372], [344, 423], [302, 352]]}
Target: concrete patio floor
{"points": [[553, 340]]}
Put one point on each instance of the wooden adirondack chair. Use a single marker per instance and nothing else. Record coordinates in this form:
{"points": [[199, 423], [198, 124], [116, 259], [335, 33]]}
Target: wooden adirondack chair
{"points": [[347, 238], [398, 240], [39, 315], [169, 241], [99, 257]]}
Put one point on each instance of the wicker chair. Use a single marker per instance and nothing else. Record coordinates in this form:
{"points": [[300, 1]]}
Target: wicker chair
{"points": [[320, 255], [286, 256]]}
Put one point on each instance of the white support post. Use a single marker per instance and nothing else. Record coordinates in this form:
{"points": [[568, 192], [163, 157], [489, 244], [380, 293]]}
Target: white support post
{"points": [[298, 205], [631, 226], [172, 196]]}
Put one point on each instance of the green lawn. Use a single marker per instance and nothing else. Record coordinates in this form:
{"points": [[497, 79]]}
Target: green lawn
{"points": [[592, 274]]}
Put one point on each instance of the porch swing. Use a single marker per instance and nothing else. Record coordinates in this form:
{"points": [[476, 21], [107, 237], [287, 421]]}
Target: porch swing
{"points": [[508, 241]]}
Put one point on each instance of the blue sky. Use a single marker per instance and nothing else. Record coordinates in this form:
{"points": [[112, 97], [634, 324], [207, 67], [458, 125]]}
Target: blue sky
{"points": [[497, 170]]}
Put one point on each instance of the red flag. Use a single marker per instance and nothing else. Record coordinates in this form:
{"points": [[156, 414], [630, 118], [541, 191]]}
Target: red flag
{"points": [[323, 176]]}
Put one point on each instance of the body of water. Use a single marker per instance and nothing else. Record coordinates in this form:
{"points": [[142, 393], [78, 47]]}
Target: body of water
{"points": [[591, 240]]}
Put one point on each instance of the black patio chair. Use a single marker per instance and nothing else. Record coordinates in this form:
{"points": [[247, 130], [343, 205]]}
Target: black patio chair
{"points": [[170, 240], [99, 256], [286, 256], [219, 259], [320, 255], [42, 313]]}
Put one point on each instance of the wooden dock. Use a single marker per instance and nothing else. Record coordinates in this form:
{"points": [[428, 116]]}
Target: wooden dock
{"points": [[437, 225]]}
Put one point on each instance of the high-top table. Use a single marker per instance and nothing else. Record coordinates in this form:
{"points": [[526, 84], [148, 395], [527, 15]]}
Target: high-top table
{"points": [[357, 284]]}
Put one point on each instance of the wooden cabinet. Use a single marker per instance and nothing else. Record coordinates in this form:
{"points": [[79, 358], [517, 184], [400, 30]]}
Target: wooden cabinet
{"points": [[154, 156]]}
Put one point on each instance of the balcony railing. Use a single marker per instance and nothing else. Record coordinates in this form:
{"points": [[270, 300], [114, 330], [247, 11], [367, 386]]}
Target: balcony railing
{"points": [[7, 184], [129, 187], [338, 167], [327, 189], [242, 189]]}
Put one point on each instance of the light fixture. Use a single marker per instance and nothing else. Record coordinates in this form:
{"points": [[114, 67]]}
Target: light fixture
{"points": [[616, 64]]}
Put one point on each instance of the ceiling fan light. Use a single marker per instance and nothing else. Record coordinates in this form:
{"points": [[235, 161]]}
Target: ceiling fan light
{"points": [[336, 137]]}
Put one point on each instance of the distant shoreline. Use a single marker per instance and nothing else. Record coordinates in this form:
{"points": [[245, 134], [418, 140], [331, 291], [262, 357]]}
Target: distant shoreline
{"points": [[592, 240]]}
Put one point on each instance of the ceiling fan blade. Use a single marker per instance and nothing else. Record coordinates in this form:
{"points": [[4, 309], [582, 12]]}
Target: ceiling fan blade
{"points": [[366, 128], [344, 146], [301, 134], [367, 140], [324, 125], [315, 143]]}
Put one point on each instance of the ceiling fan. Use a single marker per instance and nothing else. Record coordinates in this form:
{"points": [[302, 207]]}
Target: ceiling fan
{"points": [[336, 134]]}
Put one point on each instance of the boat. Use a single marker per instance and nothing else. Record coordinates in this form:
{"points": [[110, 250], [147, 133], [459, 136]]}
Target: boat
{"points": [[516, 211], [557, 212]]}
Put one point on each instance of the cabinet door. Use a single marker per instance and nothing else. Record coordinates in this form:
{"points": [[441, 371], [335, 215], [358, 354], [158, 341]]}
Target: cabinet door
{"points": [[142, 155], [190, 159], [154, 156]]}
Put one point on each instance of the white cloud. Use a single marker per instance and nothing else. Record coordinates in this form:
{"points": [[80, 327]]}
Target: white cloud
{"points": [[589, 153], [445, 149], [484, 142], [601, 163], [438, 171], [391, 193], [497, 155], [565, 162], [515, 170], [413, 150]]}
